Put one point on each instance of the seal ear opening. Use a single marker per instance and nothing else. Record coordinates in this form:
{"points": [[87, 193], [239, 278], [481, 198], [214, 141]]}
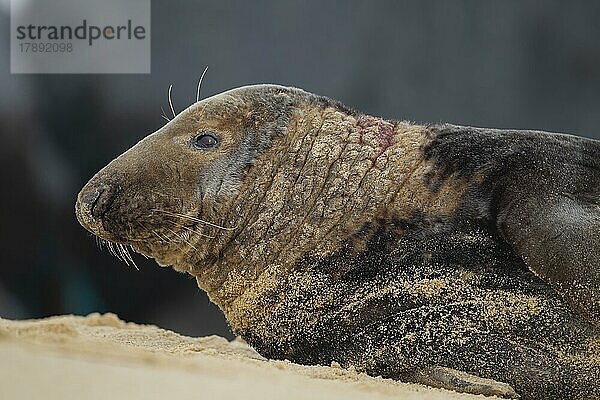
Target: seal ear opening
{"points": [[559, 240]]}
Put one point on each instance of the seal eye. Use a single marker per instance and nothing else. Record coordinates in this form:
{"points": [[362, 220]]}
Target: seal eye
{"points": [[205, 141]]}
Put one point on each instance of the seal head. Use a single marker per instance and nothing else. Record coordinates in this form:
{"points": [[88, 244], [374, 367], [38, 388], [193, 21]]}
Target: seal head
{"points": [[173, 183]]}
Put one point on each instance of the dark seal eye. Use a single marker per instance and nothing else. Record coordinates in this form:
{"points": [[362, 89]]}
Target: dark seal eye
{"points": [[205, 141]]}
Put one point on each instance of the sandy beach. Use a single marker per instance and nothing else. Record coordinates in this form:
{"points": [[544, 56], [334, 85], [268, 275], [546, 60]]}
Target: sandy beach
{"points": [[102, 357]]}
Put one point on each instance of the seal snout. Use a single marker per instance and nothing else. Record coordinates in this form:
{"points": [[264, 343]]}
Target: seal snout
{"points": [[100, 200], [94, 200]]}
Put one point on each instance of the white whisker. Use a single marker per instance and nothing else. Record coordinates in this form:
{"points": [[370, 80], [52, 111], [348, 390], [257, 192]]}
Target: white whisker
{"points": [[200, 84], [164, 114], [195, 219], [196, 232], [128, 258], [111, 249], [182, 239], [171, 101]]}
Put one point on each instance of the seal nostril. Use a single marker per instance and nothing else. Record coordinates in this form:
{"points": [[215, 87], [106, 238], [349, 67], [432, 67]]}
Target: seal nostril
{"points": [[100, 200]]}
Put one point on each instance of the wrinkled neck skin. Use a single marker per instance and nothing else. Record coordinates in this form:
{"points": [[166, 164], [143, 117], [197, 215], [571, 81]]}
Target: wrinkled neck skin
{"points": [[327, 176]]}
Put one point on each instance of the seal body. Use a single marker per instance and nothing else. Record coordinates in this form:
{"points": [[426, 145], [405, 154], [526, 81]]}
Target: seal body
{"points": [[328, 235]]}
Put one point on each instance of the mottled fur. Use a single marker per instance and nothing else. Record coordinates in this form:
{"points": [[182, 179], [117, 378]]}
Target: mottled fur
{"points": [[328, 235]]}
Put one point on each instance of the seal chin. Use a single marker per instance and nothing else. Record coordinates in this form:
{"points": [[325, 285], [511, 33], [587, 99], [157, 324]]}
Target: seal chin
{"points": [[171, 260], [160, 254], [161, 263]]}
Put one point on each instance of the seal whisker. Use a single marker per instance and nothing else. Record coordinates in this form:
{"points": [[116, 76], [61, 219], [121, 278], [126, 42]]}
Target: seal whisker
{"points": [[164, 114], [130, 249], [160, 238], [195, 219], [110, 249], [104, 243], [128, 256], [121, 253], [171, 101], [182, 239], [113, 249], [196, 231], [200, 84], [191, 230], [190, 217], [182, 226], [157, 235], [119, 248], [163, 237]]}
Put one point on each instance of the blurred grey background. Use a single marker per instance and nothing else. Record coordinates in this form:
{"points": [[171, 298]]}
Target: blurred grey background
{"points": [[509, 64]]}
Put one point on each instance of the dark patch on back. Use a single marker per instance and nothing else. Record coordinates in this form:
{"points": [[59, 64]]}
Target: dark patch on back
{"points": [[466, 151], [488, 161]]}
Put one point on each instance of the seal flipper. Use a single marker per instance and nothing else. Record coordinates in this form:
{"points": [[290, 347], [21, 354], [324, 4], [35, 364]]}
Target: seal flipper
{"points": [[558, 237]]}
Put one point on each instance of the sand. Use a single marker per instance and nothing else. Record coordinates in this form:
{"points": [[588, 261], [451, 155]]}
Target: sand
{"points": [[102, 357]]}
